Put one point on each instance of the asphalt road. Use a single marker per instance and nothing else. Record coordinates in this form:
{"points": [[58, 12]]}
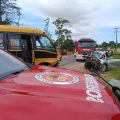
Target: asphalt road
{"points": [[69, 62]]}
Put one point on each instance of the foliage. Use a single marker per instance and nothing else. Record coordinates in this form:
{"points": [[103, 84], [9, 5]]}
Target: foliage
{"points": [[105, 45], [68, 45], [112, 44], [64, 40], [9, 11], [118, 45]]}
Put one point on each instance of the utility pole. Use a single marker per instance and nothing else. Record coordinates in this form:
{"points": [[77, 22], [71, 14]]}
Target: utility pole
{"points": [[116, 33], [0, 12]]}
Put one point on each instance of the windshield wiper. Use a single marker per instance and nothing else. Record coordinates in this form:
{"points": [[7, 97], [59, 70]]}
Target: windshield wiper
{"points": [[10, 73], [29, 64], [16, 72]]}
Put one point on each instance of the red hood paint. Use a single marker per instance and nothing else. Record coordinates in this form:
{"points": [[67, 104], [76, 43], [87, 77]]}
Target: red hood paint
{"points": [[23, 97]]}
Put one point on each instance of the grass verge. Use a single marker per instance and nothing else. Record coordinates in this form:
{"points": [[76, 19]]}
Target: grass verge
{"points": [[112, 74], [116, 55]]}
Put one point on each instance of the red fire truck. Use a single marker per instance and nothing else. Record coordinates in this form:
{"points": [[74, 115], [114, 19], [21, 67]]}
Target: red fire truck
{"points": [[29, 92], [84, 47]]}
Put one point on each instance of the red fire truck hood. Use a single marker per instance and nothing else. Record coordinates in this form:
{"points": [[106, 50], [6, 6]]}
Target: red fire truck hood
{"points": [[56, 94]]}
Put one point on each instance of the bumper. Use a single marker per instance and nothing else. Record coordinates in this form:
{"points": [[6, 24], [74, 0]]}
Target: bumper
{"points": [[80, 57]]}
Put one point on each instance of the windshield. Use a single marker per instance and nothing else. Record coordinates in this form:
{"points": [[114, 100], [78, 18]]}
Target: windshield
{"points": [[9, 64], [87, 44], [96, 54], [42, 42]]}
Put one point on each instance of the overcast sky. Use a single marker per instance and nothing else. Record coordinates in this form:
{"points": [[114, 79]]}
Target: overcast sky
{"points": [[88, 18]]}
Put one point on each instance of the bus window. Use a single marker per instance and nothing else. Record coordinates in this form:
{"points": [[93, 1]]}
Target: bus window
{"points": [[14, 42], [42, 42], [39, 44], [1, 41]]}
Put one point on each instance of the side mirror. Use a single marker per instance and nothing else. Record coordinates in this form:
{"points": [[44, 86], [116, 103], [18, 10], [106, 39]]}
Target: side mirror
{"points": [[110, 53], [115, 83]]}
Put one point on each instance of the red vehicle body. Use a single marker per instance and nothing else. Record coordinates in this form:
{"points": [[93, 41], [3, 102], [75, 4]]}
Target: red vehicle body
{"points": [[84, 47], [46, 93]]}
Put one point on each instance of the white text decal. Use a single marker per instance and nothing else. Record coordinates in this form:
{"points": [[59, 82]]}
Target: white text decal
{"points": [[93, 91]]}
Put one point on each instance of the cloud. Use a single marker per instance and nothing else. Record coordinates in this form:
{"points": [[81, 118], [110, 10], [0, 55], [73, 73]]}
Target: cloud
{"points": [[86, 16], [79, 13]]}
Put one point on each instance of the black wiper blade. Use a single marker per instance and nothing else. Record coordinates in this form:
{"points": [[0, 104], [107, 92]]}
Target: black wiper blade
{"points": [[10, 73], [16, 72], [29, 65]]}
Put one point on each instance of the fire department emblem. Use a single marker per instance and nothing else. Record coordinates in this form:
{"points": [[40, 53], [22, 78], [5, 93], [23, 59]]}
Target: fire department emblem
{"points": [[57, 78]]}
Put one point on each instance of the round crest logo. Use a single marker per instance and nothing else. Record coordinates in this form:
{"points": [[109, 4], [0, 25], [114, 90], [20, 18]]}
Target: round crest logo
{"points": [[57, 78]]}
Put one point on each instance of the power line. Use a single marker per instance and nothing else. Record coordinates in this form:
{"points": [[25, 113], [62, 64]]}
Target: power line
{"points": [[116, 33]]}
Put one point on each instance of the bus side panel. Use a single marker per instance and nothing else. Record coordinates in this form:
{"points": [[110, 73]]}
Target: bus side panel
{"points": [[43, 56], [44, 51]]}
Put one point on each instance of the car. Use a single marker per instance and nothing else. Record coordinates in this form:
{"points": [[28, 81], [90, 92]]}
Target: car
{"points": [[29, 92], [104, 58]]}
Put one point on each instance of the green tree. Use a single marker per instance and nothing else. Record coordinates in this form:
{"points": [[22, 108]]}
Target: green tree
{"points": [[112, 44], [9, 12], [67, 34], [105, 45], [59, 23], [62, 33], [119, 45], [68, 45]]}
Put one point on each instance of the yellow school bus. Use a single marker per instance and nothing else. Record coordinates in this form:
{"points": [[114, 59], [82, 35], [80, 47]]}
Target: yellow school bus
{"points": [[32, 45]]}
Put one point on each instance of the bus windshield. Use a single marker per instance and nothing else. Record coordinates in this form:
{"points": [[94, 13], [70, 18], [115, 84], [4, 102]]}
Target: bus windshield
{"points": [[42, 42], [87, 44]]}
